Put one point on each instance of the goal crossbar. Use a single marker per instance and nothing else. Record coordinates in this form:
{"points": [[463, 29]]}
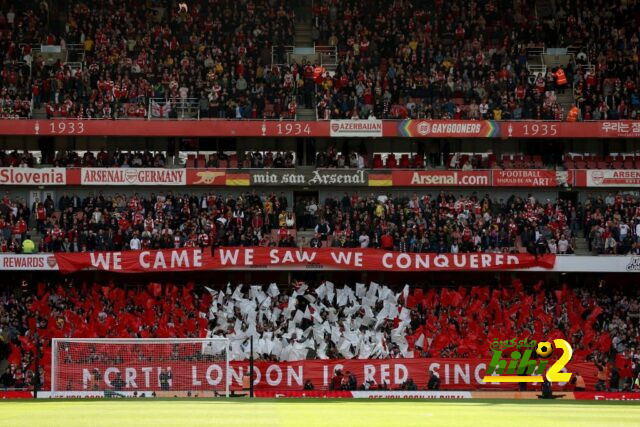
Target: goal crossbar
{"points": [[144, 365]]}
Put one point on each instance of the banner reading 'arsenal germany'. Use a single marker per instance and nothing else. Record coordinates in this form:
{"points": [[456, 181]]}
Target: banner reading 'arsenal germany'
{"points": [[290, 258]]}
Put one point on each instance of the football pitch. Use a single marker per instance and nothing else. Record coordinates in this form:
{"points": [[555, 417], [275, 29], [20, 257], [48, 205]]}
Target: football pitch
{"points": [[316, 412]]}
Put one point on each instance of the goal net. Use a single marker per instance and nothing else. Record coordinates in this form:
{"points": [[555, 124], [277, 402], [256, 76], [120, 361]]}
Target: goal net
{"points": [[126, 367]]}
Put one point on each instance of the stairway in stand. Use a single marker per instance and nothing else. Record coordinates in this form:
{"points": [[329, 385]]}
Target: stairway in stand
{"points": [[304, 26]]}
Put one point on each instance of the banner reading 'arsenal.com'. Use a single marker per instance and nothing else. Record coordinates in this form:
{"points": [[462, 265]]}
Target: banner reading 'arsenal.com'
{"points": [[441, 178], [190, 259]]}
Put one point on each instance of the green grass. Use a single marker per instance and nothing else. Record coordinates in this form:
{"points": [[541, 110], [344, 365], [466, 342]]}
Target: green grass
{"points": [[316, 412]]}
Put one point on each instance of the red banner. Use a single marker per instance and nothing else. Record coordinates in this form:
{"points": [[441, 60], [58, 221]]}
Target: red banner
{"points": [[596, 129], [206, 177], [441, 178], [260, 128], [190, 259], [454, 373], [525, 178]]}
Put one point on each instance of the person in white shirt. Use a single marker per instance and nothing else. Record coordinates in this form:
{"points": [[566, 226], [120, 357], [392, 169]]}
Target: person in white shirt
{"points": [[360, 161], [624, 231], [609, 200], [563, 245], [638, 232], [134, 243], [553, 249], [364, 240]]}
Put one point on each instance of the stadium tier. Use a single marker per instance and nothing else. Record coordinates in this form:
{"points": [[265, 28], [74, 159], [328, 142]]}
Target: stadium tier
{"points": [[320, 198]]}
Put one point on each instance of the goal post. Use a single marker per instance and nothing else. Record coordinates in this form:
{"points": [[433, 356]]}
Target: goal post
{"points": [[164, 367]]}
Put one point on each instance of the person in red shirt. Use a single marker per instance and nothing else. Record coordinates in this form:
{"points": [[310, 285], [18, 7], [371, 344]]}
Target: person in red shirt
{"points": [[41, 217], [123, 223], [386, 241]]}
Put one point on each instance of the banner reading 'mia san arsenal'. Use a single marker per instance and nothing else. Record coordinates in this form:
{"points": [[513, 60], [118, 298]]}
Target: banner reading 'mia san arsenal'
{"points": [[455, 374], [190, 259]]}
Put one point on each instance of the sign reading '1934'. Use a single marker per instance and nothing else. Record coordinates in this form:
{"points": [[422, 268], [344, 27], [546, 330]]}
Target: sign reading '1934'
{"points": [[313, 178]]}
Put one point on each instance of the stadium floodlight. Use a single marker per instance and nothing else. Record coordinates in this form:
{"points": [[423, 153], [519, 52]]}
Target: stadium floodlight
{"points": [[121, 366]]}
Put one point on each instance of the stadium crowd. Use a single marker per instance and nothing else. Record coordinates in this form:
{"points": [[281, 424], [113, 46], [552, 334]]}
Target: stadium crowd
{"points": [[407, 59], [216, 55], [325, 321], [440, 223]]}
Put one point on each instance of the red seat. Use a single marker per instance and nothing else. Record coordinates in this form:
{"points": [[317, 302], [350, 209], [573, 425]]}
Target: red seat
{"points": [[568, 164], [581, 164], [233, 161], [537, 162], [602, 164], [191, 161], [491, 161], [404, 161], [201, 162], [592, 164], [628, 164], [391, 161], [377, 161], [418, 161], [617, 164]]}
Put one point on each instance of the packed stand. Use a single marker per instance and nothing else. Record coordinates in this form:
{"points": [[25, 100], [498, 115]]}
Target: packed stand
{"points": [[612, 224], [420, 223], [162, 221], [443, 223], [458, 60], [22, 25], [324, 321], [608, 90], [216, 56]]}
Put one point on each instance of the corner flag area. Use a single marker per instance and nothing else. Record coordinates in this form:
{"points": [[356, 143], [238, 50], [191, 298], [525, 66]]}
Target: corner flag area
{"points": [[307, 413]]}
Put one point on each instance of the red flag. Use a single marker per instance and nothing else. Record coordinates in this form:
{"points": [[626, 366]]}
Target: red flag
{"points": [[155, 289], [16, 355], [455, 298], [445, 297], [42, 288], [538, 286], [595, 313], [517, 287]]}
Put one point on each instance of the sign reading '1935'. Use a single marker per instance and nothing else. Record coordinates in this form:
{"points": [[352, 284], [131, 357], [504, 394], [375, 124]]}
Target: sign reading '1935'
{"points": [[314, 178]]}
